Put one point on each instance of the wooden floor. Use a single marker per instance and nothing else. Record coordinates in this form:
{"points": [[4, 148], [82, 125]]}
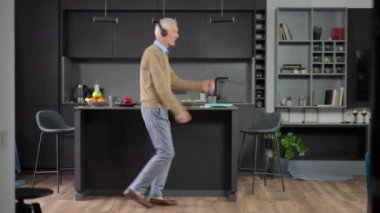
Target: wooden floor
{"points": [[299, 196]]}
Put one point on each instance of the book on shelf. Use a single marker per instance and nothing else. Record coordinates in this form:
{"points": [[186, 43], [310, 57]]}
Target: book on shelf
{"points": [[284, 31], [292, 66], [287, 31], [281, 33], [334, 97], [341, 90], [328, 97]]}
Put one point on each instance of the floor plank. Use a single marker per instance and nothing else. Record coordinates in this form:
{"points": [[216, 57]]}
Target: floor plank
{"points": [[299, 197]]}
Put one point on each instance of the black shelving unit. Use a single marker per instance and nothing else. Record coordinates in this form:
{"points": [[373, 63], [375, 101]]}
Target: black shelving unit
{"points": [[260, 58]]}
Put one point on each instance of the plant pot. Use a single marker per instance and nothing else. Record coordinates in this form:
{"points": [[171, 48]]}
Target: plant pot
{"points": [[317, 35], [274, 167]]}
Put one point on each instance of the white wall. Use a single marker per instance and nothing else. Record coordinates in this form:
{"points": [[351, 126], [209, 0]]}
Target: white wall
{"points": [[325, 115], [7, 106]]}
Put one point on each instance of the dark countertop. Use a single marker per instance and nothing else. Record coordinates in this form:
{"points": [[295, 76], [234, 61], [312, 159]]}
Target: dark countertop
{"points": [[138, 107]]}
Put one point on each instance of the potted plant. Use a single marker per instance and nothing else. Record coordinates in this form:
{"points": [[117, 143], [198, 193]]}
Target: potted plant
{"points": [[290, 147], [289, 101], [317, 32]]}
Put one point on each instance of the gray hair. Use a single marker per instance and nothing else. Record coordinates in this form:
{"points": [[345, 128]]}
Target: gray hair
{"points": [[166, 23]]}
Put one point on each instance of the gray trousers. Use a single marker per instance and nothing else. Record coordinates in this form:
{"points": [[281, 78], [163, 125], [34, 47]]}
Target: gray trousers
{"points": [[155, 172]]}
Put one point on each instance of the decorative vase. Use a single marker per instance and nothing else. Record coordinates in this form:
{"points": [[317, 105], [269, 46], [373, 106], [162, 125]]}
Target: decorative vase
{"points": [[317, 35], [275, 167]]}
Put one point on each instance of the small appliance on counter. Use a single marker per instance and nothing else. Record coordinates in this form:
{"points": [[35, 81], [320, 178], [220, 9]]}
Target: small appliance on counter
{"points": [[80, 92]]}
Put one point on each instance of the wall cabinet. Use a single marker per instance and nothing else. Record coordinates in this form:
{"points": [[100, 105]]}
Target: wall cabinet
{"points": [[84, 38], [230, 40], [134, 5], [111, 4], [36, 54], [158, 4], [36, 75], [306, 67], [83, 4], [126, 39], [192, 35], [230, 4], [135, 31], [182, 4], [260, 4]]}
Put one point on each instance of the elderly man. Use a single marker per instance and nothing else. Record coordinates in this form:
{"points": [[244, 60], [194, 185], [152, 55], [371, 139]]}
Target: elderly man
{"points": [[156, 82]]}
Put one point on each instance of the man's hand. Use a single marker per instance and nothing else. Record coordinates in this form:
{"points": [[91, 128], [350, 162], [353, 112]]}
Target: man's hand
{"points": [[208, 86], [183, 117]]}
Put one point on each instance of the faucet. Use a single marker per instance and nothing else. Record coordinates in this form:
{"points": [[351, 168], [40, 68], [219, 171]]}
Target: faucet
{"points": [[217, 79]]}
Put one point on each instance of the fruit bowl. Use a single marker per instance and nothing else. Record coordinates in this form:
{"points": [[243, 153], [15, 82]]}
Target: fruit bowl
{"points": [[96, 103]]}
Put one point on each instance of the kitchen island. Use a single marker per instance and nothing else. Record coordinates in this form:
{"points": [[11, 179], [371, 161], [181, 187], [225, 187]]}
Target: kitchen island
{"points": [[112, 145]]}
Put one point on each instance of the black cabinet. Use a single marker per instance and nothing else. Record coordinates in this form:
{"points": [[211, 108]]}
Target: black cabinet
{"points": [[134, 5], [260, 4], [230, 4], [37, 49], [359, 55], [183, 4], [111, 4], [192, 35], [230, 40], [67, 145], [133, 33], [84, 38], [329, 141], [84, 4]]}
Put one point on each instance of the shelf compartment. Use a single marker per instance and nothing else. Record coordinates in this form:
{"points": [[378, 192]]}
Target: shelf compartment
{"points": [[320, 85], [328, 76], [293, 87], [289, 75], [297, 21], [293, 54]]}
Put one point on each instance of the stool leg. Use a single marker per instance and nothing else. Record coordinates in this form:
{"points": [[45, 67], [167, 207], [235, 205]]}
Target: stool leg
{"points": [[58, 159], [60, 163], [254, 167], [36, 207], [264, 159], [38, 154], [279, 163], [240, 151]]}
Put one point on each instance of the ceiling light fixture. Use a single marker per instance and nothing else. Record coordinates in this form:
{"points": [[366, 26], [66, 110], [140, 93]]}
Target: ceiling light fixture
{"points": [[105, 18], [222, 19]]}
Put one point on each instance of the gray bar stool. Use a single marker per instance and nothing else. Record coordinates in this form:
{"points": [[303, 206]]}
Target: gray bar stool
{"points": [[269, 124], [51, 122]]}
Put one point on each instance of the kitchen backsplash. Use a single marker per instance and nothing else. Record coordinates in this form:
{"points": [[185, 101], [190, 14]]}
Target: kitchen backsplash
{"points": [[121, 78]]}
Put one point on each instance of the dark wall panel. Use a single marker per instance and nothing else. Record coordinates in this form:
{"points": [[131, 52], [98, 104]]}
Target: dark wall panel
{"points": [[359, 58]]}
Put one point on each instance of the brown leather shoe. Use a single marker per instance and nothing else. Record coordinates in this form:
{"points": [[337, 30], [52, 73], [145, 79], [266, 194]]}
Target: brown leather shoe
{"points": [[130, 194], [163, 202]]}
